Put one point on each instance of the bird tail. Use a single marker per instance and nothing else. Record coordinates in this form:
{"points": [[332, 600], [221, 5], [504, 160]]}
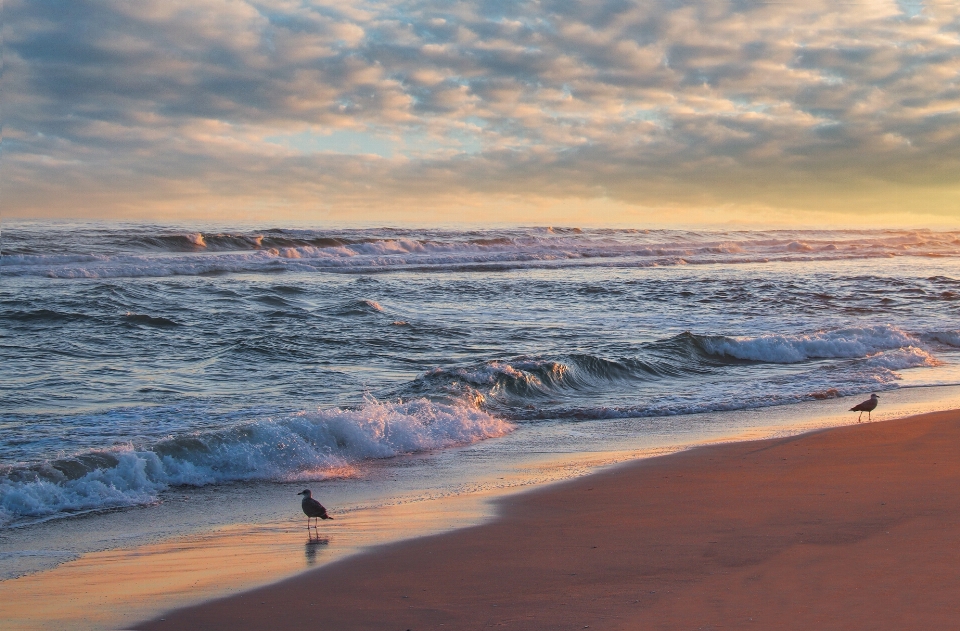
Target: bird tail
{"points": [[327, 517]]}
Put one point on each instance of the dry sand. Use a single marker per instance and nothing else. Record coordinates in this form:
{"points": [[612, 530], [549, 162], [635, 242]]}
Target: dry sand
{"points": [[850, 528]]}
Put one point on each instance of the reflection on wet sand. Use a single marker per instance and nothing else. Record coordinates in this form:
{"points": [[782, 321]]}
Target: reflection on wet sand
{"points": [[117, 588], [310, 548]]}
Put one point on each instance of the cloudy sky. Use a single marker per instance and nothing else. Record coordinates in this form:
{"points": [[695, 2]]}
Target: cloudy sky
{"points": [[597, 111]]}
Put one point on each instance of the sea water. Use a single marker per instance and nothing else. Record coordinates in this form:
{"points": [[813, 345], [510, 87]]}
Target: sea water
{"points": [[142, 362]]}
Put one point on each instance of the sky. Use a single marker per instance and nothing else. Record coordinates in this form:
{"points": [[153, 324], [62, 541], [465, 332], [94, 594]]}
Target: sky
{"points": [[802, 113]]}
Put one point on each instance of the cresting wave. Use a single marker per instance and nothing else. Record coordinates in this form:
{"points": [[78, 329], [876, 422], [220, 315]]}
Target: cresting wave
{"points": [[580, 386], [308, 446], [789, 349], [137, 253]]}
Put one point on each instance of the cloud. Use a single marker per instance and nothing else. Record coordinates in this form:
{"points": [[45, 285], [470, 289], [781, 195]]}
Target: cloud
{"points": [[112, 105]]}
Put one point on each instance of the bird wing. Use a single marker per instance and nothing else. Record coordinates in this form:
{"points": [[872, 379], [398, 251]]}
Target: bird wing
{"points": [[316, 507]]}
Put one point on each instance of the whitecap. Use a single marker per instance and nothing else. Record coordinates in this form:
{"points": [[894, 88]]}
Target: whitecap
{"points": [[308, 445]]}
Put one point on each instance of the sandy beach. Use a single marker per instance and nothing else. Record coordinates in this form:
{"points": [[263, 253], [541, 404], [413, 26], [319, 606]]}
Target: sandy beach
{"points": [[848, 528]]}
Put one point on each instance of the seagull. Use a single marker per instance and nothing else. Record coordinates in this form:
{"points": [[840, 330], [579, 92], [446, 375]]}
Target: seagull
{"points": [[312, 508], [867, 406]]}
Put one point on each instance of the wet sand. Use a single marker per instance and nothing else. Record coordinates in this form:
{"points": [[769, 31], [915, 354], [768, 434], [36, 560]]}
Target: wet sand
{"points": [[115, 588], [856, 527]]}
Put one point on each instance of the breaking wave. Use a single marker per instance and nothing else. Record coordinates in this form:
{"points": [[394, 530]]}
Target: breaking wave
{"points": [[789, 349], [140, 253], [950, 338], [309, 445], [582, 386]]}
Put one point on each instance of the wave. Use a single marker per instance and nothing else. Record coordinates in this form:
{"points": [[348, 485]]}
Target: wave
{"points": [[524, 395], [950, 338], [148, 320], [582, 385], [359, 308], [145, 254], [509, 387], [44, 315], [305, 446], [452, 405], [789, 349]]}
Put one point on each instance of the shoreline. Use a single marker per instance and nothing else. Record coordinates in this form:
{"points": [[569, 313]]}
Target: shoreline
{"points": [[847, 527], [149, 572]]}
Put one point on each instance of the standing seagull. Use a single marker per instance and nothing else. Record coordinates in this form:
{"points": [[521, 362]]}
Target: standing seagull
{"points": [[867, 406], [312, 508]]}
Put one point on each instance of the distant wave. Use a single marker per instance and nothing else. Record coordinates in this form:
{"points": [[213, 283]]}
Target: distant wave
{"points": [[307, 446], [144, 254], [148, 320], [44, 315]]}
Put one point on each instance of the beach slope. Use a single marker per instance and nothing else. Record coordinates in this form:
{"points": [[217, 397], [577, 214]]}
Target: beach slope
{"points": [[856, 527]]}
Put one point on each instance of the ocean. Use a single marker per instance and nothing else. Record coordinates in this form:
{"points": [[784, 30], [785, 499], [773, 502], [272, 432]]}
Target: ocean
{"points": [[138, 362]]}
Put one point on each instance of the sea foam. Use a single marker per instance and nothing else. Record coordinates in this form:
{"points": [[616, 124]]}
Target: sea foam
{"points": [[308, 445], [790, 349], [145, 254]]}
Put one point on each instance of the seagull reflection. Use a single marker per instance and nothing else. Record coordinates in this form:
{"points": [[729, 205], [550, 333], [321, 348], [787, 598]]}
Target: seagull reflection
{"points": [[310, 548]]}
